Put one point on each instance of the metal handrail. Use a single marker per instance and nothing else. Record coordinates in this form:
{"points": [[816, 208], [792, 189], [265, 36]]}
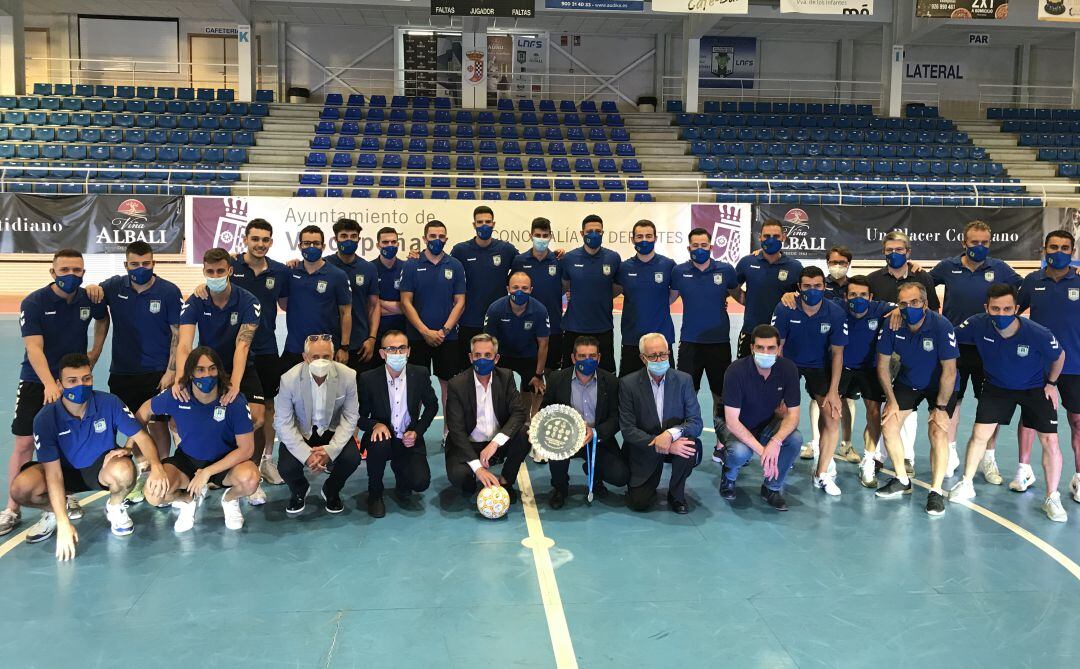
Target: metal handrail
{"points": [[136, 72], [829, 91], [1030, 95]]}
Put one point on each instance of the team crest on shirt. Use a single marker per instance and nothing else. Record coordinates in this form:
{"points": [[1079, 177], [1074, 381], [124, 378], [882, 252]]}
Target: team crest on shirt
{"points": [[448, 274], [989, 276], [825, 327], [607, 270], [219, 414], [155, 306], [717, 279], [234, 318], [527, 325], [320, 287], [84, 313], [496, 261], [99, 425], [928, 345], [872, 323], [782, 275], [1074, 294], [552, 269], [360, 279], [658, 277], [397, 283], [1022, 350], [270, 283]]}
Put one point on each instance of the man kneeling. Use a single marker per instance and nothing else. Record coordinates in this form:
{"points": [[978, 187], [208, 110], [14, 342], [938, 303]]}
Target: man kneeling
{"points": [[76, 447]]}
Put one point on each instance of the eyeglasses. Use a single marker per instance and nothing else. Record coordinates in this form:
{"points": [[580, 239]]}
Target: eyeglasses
{"points": [[656, 357], [305, 245], [396, 349], [319, 337]]}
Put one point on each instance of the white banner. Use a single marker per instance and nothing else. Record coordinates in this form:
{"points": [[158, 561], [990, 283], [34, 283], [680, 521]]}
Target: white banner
{"points": [[220, 221], [1059, 10], [850, 7], [702, 6]]}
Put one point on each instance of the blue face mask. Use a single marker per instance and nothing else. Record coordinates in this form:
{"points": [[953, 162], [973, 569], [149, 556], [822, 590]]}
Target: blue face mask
{"points": [[812, 296], [388, 252], [858, 305], [896, 260], [587, 367], [644, 247], [311, 253], [540, 244], [397, 361], [765, 360], [912, 314], [69, 283], [436, 246], [78, 394], [1002, 321], [348, 247], [483, 366], [216, 284], [659, 367], [519, 297], [140, 275], [483, 232], [771, 245], [205, 383], [700, 256], [1058, 259], [593, 239], [978, 253]]}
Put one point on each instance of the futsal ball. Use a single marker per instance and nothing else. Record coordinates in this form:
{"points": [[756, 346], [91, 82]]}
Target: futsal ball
{"points": [[493, 502]]}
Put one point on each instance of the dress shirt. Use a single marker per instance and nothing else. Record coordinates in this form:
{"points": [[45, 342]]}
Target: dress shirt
{"points": [[486, 424], [399, 405], [319, 414], [583, 398], [658, 398]]}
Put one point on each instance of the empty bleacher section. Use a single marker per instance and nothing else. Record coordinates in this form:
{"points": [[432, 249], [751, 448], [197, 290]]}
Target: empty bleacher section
{"points": [[1053, 134]]}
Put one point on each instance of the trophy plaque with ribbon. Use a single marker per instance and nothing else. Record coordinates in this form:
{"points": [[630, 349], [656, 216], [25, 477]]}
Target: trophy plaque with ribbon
{"points": [[557, 432]]}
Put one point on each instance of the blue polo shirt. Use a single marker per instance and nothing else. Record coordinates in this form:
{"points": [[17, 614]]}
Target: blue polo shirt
{"points": [[922, 351], [61, 324], [433, 287], [218, 327], [142, 323], [807, 338], [704, 298], [78, 442], [646, 297], [207, 431], [486, 269], [547, 278], [389, 290], [313, 304], [364, 282], [517, 334], [1019, 362], [965, 290], [591, 277], [266, 287], [1055, 305], [765, 283], [757, 398], [834, 291], [863, 333]]}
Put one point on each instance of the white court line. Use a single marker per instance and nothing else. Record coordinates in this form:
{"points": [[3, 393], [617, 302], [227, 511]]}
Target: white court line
{"points": [[559, 631], [19, 538]]}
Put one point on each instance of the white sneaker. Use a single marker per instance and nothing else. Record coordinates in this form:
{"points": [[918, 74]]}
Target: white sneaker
{"points": [[269, 471], [990, 472], [964, 491], [827, 482], [1024, 479], [867, 472], [1074, 487], [954, 462], [1054, 510], [809, 451], [119, 520], [234, 518], [831, 471], [9, 520], [74, 510], [44, 528], [257, 498], [186, 519], [848, 453]]}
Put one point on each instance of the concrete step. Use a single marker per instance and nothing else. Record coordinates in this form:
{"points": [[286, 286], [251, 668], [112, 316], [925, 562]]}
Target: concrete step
{"points": [[1039, 171], [978, 126], [1012, 154]]}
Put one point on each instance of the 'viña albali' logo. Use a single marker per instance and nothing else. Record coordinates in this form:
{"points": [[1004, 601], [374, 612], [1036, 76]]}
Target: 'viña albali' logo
{"points": [[797, 227], [131, 225]]}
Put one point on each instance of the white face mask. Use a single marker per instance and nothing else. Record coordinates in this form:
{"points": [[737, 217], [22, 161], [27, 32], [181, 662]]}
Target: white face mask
{"points": [[320, 367], [838, 272]]}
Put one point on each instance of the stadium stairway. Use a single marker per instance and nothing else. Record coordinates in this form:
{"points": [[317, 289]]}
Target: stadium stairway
{"points": [[1020, 161]]}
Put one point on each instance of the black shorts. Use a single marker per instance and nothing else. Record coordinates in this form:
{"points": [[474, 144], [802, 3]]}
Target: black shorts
{"points": [[909, 399], [743, 348], [268, 369], [189, 465], [998, 404], [705, 359], [29, 399], [817, 380], [78, 480], [359, 366], [969, 366], [554, 354], [443, 361], [251, 386], [864, 383], [607, 348], [1069, 388], [525, 368], [134, 390]]}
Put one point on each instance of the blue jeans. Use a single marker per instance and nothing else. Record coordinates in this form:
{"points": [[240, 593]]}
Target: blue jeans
{"points": [[737, 454]]}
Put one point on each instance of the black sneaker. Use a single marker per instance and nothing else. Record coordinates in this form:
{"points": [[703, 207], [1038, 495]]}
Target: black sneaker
{"points": [[935, 504], [333, 502], [893, 489], [774, 499], [296, 503], [727, 488], [718, 454]]}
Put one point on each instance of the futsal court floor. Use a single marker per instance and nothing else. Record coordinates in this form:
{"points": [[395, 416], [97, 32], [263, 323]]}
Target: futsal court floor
{"points": [[836, 582]]}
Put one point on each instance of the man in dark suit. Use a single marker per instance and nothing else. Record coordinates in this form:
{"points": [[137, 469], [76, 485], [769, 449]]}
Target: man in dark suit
{"points": [[484, 419], [397, 405], [661, 422], [594, 393]]}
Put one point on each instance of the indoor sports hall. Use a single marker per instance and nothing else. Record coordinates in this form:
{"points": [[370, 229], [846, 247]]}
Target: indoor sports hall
{"points": [[840, 121]]}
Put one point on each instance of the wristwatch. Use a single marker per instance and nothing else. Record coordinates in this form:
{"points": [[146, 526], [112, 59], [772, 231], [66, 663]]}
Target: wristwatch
{"points": [[942, 407], [445, 330], [1051, 383], [343, 347]]}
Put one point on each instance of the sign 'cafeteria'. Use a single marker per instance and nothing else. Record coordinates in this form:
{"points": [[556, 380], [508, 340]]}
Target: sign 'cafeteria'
{"points": [[512, 8]]}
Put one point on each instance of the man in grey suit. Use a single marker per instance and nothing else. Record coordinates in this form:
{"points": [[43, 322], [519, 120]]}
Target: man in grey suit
{"points": [[661, 422], [315, 415]]}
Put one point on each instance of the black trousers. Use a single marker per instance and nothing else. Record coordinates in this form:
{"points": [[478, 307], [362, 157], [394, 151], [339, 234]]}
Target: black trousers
{"points": [[611, 467], [513, 452], [642, 497], [607, 348], [465, 334], [701, 359], [410, 466], [630, 361], [292, 470]]}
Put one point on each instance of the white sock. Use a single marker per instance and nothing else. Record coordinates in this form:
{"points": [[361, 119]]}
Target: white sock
{"points": [[903, 479], [952, 445], [989, 456], [938, 491]]}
